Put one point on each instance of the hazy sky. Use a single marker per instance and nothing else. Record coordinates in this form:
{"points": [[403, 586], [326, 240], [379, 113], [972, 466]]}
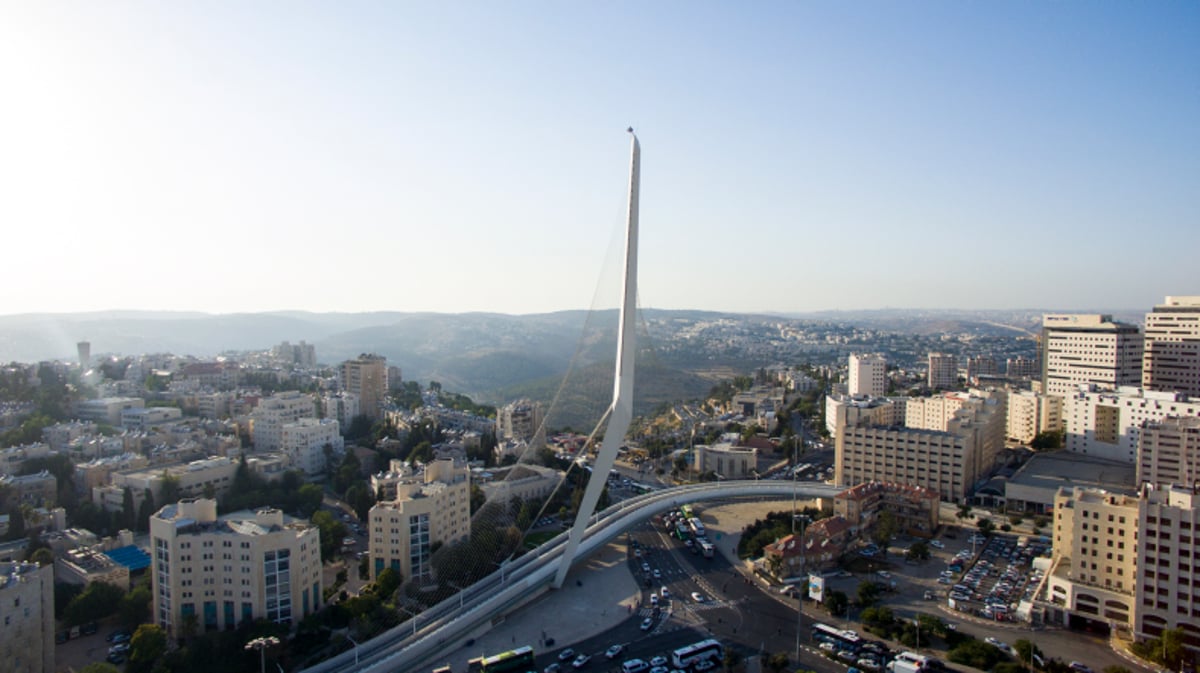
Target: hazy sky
{"points": [[245, 156]]}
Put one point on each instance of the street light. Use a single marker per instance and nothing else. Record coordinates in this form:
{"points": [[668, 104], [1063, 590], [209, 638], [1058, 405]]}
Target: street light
{"points": [[411, 614], [461, 594], [261, 644], [800, 598], [355, 647]]}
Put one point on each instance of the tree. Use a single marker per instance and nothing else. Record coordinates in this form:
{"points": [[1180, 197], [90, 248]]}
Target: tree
{"points": [[169, 488], [964, 511], [134, 608], [777, 662], [16, 523], [44, 556], [977, 654], [64, 593], [1047, 440], [919, 551], [145, 511], [310, 497], [885, 529], [836, 602], [386, 583], [332, 531], [986, 526], [98, 600], [1026, 650], [148, 645], [868, 593], [128, 513]]}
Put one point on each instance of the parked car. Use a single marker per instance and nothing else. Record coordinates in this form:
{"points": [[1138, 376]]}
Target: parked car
{"points": [[581, 661], [614, 651]]}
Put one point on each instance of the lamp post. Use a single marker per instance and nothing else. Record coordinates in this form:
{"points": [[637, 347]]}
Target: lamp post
{"points": [[261, 644], [411, 614], [800, 598], [461, 594], [355, 647]]}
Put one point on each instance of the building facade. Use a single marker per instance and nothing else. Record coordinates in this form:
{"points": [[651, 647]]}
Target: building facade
{"points": [[27, 607], [914, 508], [304, 441], [272, 413], [367, 377], [1169, 558], [867, 375], [844, 410], [214, 573], [1171, 359], [1093, 572], [430, 507], [1031, 413], [1108, 423], [943, 371], [1082, 349], [1169, 452]]}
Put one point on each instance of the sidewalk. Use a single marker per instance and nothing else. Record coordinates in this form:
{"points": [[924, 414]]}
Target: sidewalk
{"points": [[567, 615]]}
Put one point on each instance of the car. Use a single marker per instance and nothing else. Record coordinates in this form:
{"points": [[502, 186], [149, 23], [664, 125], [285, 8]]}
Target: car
{"points": [[115, 658], [697, 596], [581, 661], [647, 623], [659, 660], [866, 664], [637, 553], [845, 573], [853, 670], [119, 636], [653, 599], [885, 574], [849, 656], [828, 647], [635, 666], [1080, 667], [89, 628], [645, 567], [614, 651], [665, 593], [566, 654], [704, 665], [552, 668], [945, 580], [937, 544], [119, 648]]}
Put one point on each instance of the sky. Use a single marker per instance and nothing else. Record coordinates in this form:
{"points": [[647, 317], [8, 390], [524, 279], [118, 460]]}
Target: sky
{"points": [[472, 156]]}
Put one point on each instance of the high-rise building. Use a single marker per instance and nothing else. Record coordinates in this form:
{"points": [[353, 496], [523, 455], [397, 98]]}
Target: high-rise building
{"points": [[27, 606], [1169, 558], [518, 420], [1020, 368], [980, 365], [1169, 451], [85, 355], [867, 375], [341, 406], [1172, 351], [1030, 414], [844, 410], [218, 572], [943, 371], [367, 377], [933, 413], [1093, 573], [272, 413], [430, 508], [1089, 349]]}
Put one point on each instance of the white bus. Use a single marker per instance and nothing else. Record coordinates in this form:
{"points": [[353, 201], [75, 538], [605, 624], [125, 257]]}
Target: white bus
{"points": [[696, 526], [685, 657]]}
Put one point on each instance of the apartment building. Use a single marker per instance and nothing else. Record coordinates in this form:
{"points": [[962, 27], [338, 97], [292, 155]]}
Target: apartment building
{"points": [[192, 478], [980, 365], [519, 420], [867, 375], [304, 442], [1169, 452], [340, 406], [844, 410], [367, 377], [933, 413], [218, 572], [272, 413], [1171, 359], [1083, 349], [949, 461], [36, 490], [1093, 573], [139, 418], [27, 597], [432, 506], [1020, 368], [1031, 413], [915, 508], [107, 409], [943, 371], [1108, 423], [726, 460], [1169, 559]]}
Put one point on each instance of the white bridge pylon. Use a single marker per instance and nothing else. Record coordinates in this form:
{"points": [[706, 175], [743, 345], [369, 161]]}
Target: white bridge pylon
{"points": [[620, 412]]}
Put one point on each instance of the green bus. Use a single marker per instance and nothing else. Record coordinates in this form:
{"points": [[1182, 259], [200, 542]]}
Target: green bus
{"points": [[520, 660]]}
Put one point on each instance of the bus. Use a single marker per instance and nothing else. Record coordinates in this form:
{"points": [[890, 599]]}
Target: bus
{"points": [[844, 640], [708, 549], [520, 660], [688, 655], [696, 526], [686, 511], [681, 530]]}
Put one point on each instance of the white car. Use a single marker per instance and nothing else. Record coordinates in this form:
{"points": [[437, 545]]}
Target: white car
{"points": [[647, 624], [665, 593], [581, 661], [937, 544], [566, 654], [614, 651], [697, 596]]}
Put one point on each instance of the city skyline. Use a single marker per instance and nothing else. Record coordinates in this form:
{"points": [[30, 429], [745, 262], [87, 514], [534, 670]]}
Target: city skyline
{"points": [[798, 158]]}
